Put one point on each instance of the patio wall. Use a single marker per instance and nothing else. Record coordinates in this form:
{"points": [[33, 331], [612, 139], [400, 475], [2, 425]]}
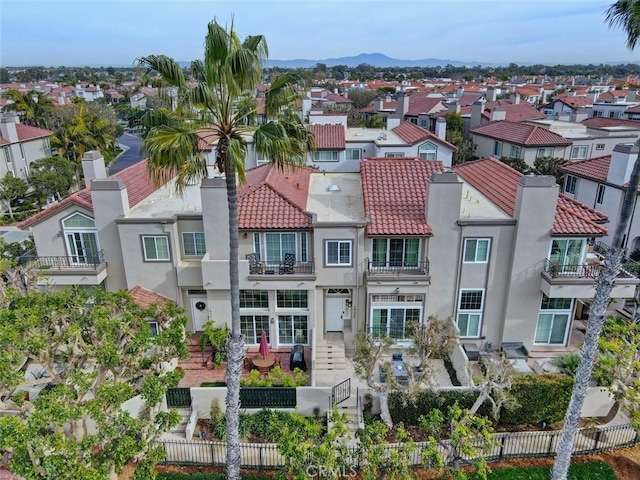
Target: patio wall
{"points": [[459, 360], [308, 398]]}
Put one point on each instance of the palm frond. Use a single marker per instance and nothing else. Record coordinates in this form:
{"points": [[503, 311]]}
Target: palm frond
{"points": [[236, 153], [281, 93], [625, 14], [167, 67], [246, 69], [216, 45], [258, 45]]}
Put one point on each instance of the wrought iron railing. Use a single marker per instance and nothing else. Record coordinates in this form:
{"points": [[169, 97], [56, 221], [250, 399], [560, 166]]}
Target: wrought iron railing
{"points": [[178, 397], [268, 397], [398, 268], [340, 392], [276, 268], [59, 262], [586, 270]]}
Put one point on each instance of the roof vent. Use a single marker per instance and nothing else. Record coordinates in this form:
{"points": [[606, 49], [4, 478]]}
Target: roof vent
{"points": [[333, 188]]}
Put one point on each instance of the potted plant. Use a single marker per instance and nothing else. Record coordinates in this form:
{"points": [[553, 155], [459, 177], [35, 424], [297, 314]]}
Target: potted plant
{"points": [[217, 338]]}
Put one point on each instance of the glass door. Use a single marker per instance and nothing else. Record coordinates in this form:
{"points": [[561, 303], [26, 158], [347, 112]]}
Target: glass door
{"points": [[82, 248]]}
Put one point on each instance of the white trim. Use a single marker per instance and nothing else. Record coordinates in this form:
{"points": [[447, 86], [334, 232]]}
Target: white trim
{"points": [[479, 311], [156, 237], [475, 260], [338, 263]]}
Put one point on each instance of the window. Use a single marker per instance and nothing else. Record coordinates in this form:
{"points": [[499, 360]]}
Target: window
{"points": [[8, 155], [338, 252], [428, 151], [153, 328], [394, 155], [353, 154], [598, 113], [545, 152], [423, 122], [579, 151], [566, 255], [553, 321], [292, 299], [516, 151], [193, 243], [81, 237], [21, 151], [470, 307], [395, 252], [326, 156], [256, 299], [252, 327], [156, 248], [599, 146], [293, 329], [570, 185], [600, 194], [497, 148], [271, 247], [260, 160], [476, 250], [614, 114], [394, 322]]}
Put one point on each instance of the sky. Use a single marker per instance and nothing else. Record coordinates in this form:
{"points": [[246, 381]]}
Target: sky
{"points": [[114, 32]]}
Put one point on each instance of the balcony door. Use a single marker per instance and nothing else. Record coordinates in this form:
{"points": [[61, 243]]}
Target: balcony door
{"points": [[81, 239], [566, 254]]}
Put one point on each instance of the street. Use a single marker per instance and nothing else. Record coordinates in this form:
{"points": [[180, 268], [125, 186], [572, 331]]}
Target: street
{"points": [[131, 155]]}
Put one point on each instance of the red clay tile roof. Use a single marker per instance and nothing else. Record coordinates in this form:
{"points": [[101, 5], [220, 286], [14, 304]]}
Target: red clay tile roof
{"points": [[394, 193], [139, 186], [597, 122], [422, 104], [411, 133], [498, 182], [272, 199], [374, 107], [576, 102], [144, 297], [514, 112], [634, 109], [4, 142], [26, 132], [592, 168], [206, 137], [328, 137], [334, 97], [519, 133]]}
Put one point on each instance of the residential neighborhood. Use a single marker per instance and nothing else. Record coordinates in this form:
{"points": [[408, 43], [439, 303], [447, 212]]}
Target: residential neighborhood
{"points": [[329, 270]]}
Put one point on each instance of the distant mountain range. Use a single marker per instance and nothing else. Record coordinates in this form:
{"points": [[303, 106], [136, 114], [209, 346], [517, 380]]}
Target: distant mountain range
{"points": [[374, 59]]}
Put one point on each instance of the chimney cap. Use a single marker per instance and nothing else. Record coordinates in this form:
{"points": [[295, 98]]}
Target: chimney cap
{"points": [[622, 148]]}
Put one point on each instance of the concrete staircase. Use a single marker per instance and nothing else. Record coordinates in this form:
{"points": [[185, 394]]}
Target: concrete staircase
{"points": [[180, 428], [330, 365], [350, 409]]}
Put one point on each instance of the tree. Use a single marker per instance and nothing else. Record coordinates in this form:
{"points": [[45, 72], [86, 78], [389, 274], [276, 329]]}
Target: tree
{"points": [[87, 352], [10, 252], [549, 166], [434, 339], [52, 176], [625, 13], [361, 97], [518, 164], [455, 123], [223, 102], [32, 107], [12, 188], [465, 147]]}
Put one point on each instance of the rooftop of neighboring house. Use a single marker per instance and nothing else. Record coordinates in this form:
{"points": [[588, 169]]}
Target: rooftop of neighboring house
{"points": [[139, 187], [581, 131], [144, 297], [520, 134], [514, 112], [336, 198], [595, 169], [498, 182], [610, 122], [26, 133], [575, 102], [328, 137]]}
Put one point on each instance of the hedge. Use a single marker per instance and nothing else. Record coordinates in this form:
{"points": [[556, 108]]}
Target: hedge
{"points": [[577, 471], [540, 398], [206, 476]]}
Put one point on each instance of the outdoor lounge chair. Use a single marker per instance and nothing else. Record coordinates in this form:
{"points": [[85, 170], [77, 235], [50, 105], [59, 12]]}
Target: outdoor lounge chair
{"points": [[287, 264], [255, 267]]}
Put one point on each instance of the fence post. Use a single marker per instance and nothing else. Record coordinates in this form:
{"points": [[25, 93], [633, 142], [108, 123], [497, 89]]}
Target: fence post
{"points": [[260, 457], [596, 440], [550, 449], [502, 443]]}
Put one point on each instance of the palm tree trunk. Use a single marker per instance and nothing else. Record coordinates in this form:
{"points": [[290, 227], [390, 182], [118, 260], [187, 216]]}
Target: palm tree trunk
{"points": [[597, 315], [235, 342]]}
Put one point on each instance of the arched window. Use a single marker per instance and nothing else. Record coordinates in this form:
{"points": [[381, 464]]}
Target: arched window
{"points": [[81, 238], [428, 151]]}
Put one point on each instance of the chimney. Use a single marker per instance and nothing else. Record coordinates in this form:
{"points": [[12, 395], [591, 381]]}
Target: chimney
{"points": [[403, 105], [93, 167], [454, 107], [571, 93], [441, 128], [516, 98], [61, 98], [460, 92], [380, 103], [477, 109], [393, 122], [579, 115], [8, 127], [213, 195], [593, 96], [110, 202], [492, 95], [621, 165], [387, 98], [632, 96], [498, 113]]}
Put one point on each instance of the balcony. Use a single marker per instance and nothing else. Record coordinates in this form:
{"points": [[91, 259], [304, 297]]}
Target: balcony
{"points": [[391, 271], [69, 270], [281, 268], [578, 280]]}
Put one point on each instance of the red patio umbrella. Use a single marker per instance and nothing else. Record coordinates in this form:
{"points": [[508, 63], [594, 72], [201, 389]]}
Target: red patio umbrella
{"points": [[264, 345]]}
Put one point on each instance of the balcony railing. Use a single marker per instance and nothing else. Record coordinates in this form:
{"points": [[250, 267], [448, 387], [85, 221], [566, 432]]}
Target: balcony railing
{"points": [[586, 270], [398, 268], [63, 262], [278, 268]]}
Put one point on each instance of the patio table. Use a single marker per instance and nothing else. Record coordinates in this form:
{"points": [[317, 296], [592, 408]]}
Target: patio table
{"points": [[264, 363]]}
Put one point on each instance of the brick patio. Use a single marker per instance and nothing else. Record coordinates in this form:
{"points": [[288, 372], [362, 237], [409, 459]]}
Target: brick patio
{"points": [[196, 374]]}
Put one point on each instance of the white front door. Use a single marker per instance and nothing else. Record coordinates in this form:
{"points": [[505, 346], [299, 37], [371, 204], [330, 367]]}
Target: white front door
{"points": [[199, 312], [334, 314]]}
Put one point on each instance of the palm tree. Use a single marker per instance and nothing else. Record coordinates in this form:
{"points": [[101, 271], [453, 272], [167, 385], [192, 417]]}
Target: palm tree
{"points": [[625, 13], [223, 103], [33, 107]]}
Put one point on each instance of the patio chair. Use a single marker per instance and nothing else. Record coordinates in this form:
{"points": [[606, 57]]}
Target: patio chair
{"points": [[287, 264], [255, 267]]}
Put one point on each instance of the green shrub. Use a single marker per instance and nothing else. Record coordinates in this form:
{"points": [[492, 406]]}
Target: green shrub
{"points": [[567, 363], [578, 471], [539, 398], [453, 376], [205, 476]]}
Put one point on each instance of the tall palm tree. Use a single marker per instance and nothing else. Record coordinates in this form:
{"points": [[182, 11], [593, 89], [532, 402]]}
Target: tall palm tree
{"points": [[223, 103], [625, 13], [32, 107]]}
